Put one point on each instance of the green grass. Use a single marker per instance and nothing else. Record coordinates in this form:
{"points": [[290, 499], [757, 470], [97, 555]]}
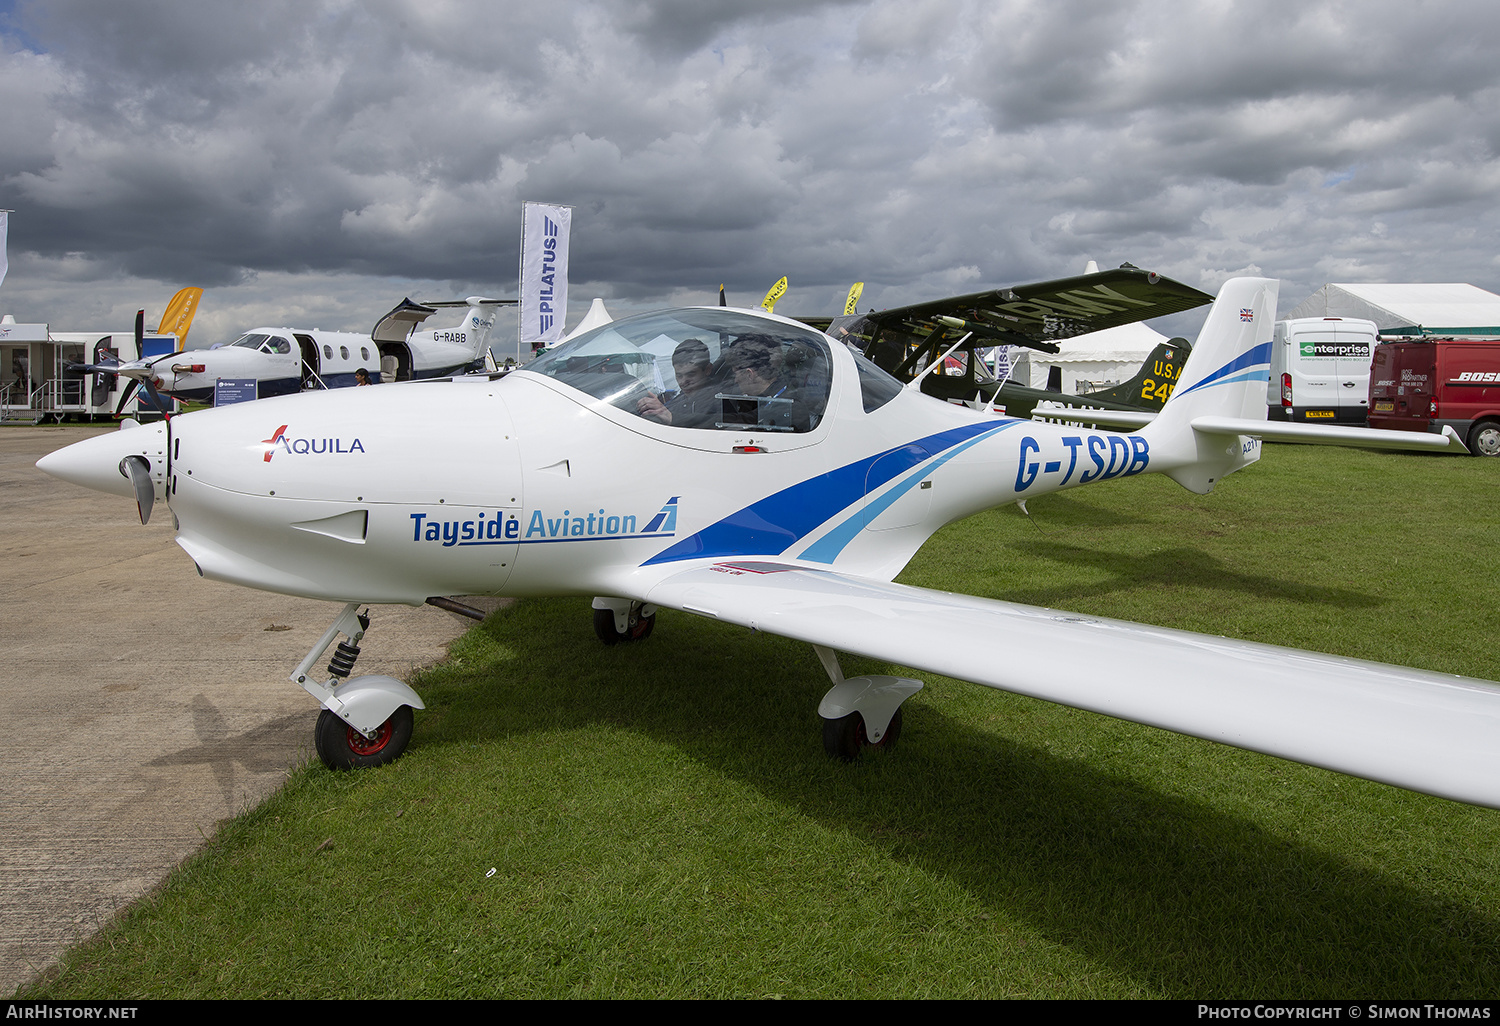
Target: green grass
{"points": [[660, 819]]}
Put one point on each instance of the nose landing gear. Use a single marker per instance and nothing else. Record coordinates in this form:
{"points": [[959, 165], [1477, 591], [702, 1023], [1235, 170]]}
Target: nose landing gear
{"points": [[366, 721], [340, 746], [620, 620]]}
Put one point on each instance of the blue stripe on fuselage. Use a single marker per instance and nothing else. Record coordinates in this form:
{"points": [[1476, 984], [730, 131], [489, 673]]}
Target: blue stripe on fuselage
{"points": [[827, 548], [777, 522]]}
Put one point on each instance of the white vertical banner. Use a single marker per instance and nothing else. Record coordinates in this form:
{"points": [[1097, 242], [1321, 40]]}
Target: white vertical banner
{"points": [[4, 243], [1001, 356], [544, 270]]}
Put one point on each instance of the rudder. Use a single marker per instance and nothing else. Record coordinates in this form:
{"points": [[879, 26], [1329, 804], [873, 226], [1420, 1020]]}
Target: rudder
{"points": [[1225, 377]]}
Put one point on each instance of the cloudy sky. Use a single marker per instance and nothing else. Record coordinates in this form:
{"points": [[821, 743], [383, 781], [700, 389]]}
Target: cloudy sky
{"points": [[310, 162]]}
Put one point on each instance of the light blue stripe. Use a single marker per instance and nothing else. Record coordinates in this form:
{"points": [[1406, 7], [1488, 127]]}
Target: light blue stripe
{"points": [[1253, 374], [827, 548], [1256, 357]]}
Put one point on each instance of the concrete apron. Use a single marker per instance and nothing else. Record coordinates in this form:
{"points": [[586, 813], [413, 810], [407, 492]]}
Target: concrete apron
{"points": [[143, 704]]}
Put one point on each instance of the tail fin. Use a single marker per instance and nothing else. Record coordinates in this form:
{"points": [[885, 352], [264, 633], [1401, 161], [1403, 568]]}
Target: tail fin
{"points": [[473, 332], [1225, 377], [1153, 382], [478, 321]]}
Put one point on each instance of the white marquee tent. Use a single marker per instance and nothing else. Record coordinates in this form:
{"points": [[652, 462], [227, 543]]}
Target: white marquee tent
{"points": [[1450, 308], [1099, 359]]}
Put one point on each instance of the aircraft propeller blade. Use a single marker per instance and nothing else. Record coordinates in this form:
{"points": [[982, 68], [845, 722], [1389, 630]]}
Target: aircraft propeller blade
{"points": [[155, 397], [150, 386], [91, 368], [126, 395], [136, 469], [722, 300]]}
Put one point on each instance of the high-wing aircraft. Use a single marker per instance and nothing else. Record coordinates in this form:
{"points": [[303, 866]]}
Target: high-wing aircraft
{"points": [[948, 334], [287, 360], [964, 378], [738, 465]]}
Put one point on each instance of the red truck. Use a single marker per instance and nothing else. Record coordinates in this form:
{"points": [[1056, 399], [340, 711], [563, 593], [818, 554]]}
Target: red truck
{"points": [[1438, 382]]}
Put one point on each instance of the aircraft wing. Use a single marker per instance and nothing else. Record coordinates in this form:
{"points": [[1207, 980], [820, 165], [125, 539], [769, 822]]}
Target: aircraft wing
{"points": [[1036, 315], [1425, 731]]}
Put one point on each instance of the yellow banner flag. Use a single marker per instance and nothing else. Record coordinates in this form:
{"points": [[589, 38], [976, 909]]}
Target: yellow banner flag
{"points": [[777, 291], [179, 316], [851, 304]]}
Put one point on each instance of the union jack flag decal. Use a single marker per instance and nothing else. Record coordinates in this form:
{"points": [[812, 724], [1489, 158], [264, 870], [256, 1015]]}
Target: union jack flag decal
{"points": [[1246, 314]]}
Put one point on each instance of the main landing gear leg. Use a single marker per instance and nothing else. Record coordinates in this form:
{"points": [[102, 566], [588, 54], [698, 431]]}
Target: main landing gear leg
{"points": [[618, 620], [861, 712], [366, 721]]}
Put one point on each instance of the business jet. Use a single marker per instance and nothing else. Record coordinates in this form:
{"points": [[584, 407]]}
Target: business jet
{"points": [[742, 466], [283, 361]]}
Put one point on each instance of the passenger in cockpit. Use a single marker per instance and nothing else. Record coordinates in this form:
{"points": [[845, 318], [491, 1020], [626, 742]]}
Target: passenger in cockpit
{"points": [[695, 404], [765, 397]]}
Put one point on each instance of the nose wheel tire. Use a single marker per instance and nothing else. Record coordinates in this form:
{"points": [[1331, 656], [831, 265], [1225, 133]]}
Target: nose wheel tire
{"points": [[340, 746], [639, 629], [844, 738]]}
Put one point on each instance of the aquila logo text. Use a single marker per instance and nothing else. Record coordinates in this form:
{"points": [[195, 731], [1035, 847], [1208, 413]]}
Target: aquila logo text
{"points": [[306, 446]]}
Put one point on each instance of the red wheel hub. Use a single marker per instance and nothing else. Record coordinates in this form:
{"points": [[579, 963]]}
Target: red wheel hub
{"points": [[361, 745]]}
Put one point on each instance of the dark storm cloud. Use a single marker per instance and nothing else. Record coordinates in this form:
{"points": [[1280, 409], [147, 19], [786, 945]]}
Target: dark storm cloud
{"points": [[1036, 63], [317, 157], [682, 26]]}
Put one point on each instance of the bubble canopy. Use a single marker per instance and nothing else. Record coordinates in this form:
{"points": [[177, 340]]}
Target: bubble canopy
{"points": [[705, 368]]}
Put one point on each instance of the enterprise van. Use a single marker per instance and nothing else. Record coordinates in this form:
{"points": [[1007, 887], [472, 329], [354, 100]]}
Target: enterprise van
{"points": [[1437, 383], [1320, 370]]}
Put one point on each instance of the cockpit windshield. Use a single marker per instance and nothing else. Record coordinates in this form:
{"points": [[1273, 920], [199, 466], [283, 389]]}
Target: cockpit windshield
{"points": [[265, 343], [710, 369]]}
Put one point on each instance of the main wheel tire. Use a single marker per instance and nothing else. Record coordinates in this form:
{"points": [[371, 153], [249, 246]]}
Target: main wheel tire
{"points": [[1484, 438], [604, 626], [845, 737], [342, 747]]}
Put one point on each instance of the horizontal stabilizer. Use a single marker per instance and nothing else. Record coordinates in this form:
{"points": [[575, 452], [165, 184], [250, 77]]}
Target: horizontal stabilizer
{"points": [[1329, 434], [1124, 419], [472, 301]]}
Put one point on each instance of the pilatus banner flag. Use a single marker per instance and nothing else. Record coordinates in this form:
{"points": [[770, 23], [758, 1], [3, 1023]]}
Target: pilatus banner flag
{"points": [[544, 270]]}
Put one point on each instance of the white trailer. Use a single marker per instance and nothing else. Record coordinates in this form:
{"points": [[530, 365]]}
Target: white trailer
{"points": [[40, 379]]}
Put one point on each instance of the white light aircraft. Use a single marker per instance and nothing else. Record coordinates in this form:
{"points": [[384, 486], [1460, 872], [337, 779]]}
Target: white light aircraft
{"points": [[288, 360], [738, 465]]}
